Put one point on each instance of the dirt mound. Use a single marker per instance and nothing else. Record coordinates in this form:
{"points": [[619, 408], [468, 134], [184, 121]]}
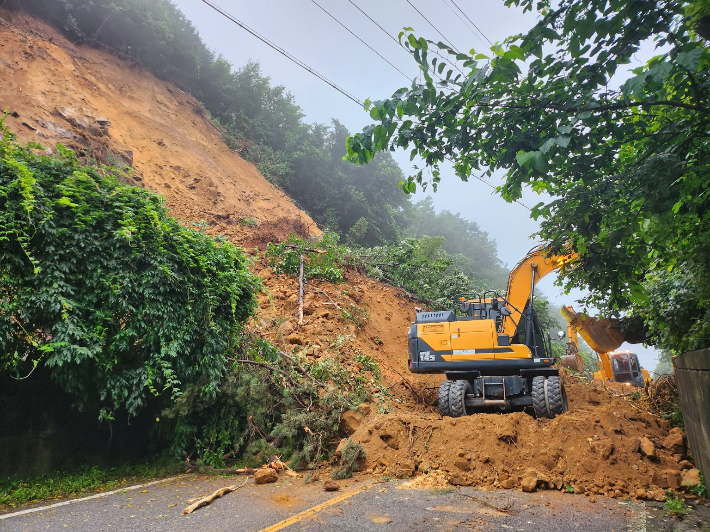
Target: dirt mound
{"points": [[115, 111], [601, 446]]}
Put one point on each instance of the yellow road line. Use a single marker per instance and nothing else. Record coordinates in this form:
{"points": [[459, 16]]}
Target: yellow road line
{"points": [[322, 506]]}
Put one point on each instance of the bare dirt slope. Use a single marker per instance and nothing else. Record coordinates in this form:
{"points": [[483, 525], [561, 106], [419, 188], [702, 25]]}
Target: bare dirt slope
{"points": [[115, 111]]}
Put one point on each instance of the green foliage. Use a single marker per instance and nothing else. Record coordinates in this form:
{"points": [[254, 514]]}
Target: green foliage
{"points": [[674, 505], [625, 168], [15, 491], [700, 490], [100, 285], [420, 266], [352, 452], [265, 391], [326, 264]]}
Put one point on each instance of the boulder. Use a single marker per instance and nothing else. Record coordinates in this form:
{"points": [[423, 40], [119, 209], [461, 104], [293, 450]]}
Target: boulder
{"points": [[295, 339], [647, 448], [350, 421], [266, 475], [529, 484], [691, 477], [462, 464], [675, 442], [331, 486], [365, 408]]}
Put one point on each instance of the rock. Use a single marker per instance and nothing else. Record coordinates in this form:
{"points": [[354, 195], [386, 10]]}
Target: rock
{"points": [[404, 469], [507, 484], [647, 448], [350, 421], [641, 494], [592, 499], [685, 464], [365, 408], [667, 479], [462, 464], [529, 484], [266, 475], [604, 448], [286, 328], [295, 339], [675, 442], [458, 479], [691, 477], [331, 486]]}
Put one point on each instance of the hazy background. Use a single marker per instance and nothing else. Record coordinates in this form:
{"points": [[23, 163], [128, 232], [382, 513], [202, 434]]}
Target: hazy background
{"points": [[305, 31]]}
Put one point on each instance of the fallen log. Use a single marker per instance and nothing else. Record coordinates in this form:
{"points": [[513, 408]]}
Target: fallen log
{"points": [[216, 495]]}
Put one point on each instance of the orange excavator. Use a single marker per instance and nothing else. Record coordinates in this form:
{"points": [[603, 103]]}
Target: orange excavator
{"points": [[604, 339], [491, 347]]}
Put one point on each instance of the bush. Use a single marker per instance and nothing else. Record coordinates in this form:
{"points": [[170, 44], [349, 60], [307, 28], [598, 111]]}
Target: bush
{"points": [[100, 285], [326, 264]]}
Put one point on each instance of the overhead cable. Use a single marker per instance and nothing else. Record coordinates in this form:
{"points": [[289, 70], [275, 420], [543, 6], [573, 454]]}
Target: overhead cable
{"points": [[281, 50], [374, 22], [463, 22], [432, 25], [359, 39], [477, 28]]}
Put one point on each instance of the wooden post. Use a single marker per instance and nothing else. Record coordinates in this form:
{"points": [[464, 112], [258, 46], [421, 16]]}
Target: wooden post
{"points": [[692, 372], [300, 292]]}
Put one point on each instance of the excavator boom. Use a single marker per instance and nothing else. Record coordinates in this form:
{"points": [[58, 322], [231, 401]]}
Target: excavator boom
{"points": [[523, 278]]}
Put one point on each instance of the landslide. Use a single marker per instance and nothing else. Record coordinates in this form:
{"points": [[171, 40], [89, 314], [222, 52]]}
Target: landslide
{"points": [[114, 111]]}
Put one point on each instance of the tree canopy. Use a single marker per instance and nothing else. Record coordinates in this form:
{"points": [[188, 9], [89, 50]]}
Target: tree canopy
{"points": [[625, 168]]}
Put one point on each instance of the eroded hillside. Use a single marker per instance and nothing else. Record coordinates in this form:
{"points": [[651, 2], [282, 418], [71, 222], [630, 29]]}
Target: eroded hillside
{"points": [[115, 111]]}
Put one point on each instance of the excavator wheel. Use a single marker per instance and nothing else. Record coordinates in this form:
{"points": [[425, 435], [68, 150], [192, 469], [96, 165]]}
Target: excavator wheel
{"points": [[444, 395], [549, 397], [457, 397]]}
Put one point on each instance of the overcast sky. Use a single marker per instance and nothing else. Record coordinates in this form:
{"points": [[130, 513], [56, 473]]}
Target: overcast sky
{"points": [[306, 32]]}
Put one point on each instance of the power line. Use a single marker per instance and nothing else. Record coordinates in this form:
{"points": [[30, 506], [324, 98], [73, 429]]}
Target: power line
{"points": [[465, 15], [432, 25], [359, 39], [281, 50], [463, 22], [375, 23]]}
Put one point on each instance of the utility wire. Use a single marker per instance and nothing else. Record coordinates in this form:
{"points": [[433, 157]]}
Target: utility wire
{"points": [[432, 25], [463, 22], [359, 39], [375, 23], [281, 50], [465, 15]]}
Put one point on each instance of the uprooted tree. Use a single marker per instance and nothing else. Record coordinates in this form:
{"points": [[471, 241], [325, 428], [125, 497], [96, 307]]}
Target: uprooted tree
{"points": [[626, 168]]}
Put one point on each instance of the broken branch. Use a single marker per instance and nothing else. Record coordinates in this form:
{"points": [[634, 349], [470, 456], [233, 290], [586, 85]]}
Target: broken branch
{"points": [[216, 495]]}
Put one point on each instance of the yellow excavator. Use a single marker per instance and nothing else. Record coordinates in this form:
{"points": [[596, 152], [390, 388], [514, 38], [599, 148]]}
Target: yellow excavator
{"points": [[603, 338], [491, 347]]}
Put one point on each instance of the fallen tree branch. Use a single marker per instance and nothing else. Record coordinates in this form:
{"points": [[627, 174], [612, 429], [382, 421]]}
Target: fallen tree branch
{"points": [[329, 299], [216, 495]]}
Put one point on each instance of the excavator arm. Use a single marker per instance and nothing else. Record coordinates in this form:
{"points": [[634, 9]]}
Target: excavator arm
{"points": [[521, 282]]}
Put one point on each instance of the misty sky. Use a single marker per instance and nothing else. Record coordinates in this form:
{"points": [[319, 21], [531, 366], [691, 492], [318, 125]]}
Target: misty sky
{"points": [[305, 31]]}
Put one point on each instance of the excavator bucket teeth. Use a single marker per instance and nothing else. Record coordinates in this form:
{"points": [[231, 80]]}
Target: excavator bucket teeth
{"points": [[599, 334]]}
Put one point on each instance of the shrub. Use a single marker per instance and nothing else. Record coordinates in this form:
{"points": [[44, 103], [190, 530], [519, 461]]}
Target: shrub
{"points": [[102, 287]]}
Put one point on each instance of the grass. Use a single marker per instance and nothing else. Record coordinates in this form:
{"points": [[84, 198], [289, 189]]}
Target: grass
{"points": [[15, 492], [674, 505]]}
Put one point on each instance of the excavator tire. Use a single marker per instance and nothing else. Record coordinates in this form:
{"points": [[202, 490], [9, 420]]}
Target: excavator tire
{"points": [[549, 397], [444, 395], [457, 397]]}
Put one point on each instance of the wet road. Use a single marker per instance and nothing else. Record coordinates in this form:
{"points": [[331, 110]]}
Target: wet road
{"points": [[359, 506]]}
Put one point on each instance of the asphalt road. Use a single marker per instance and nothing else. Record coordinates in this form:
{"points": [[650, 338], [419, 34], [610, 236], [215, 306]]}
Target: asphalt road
{"points": [[359, 506]]}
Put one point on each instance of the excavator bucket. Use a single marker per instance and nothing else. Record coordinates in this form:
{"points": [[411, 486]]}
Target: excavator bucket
{"points": [[573, 361], [597, 333]]}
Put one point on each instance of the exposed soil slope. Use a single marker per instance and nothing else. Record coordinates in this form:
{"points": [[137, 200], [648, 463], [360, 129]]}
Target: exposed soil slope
{"points": [[115, 111]]}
